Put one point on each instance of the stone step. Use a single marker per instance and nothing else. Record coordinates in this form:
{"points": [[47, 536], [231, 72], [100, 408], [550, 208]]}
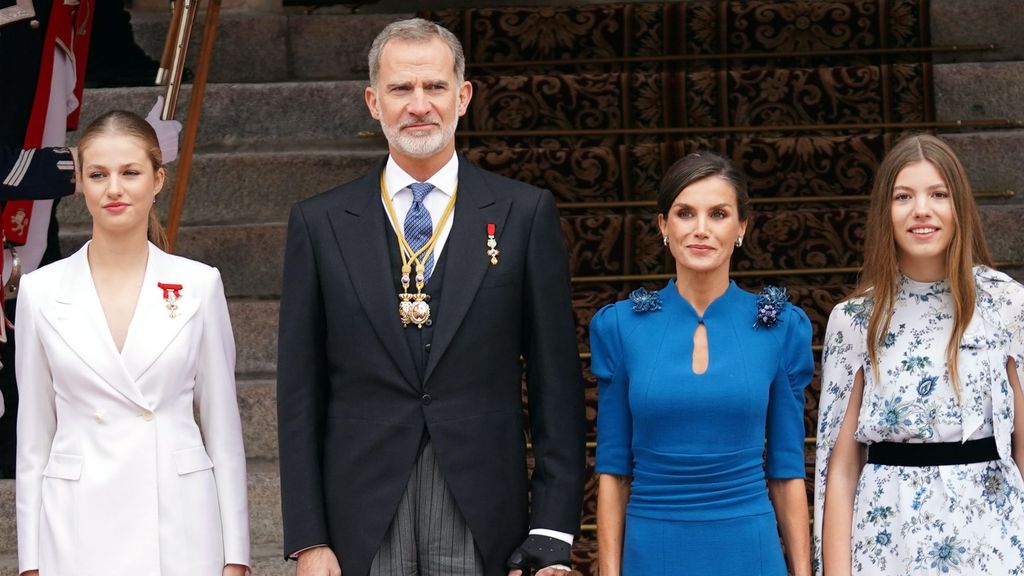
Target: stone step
{"points": [[276, 116], [253, 187], [249, 47], [8, 525], [991, 21], [265, 47], [265, 503], [979, 90], [257, 404], [250, 257], [992, 160], [288, 115], [255, 328], [268, 560]]}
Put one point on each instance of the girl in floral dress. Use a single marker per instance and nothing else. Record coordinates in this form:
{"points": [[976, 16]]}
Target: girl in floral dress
{"points": [[921, 418]]}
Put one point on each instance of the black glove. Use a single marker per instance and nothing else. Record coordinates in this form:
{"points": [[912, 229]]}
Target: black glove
{"points": [[539, 552]]}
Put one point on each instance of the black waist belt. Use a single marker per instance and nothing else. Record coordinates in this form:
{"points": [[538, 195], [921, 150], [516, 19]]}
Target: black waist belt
{"points": [[933, 453]]}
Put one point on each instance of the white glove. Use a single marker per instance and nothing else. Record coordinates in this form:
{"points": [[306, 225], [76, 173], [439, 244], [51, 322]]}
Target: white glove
{"points": [[166, 131]]}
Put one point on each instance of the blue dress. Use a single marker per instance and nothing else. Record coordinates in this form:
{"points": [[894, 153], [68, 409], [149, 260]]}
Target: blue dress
{"points": [[695, 444]]}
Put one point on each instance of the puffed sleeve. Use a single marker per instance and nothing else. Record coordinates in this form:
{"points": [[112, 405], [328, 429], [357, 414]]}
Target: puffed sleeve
{"points": [[786, 404], [220, 421], [843, 356], [1013, 309], [614, 421], [1010, 306]]}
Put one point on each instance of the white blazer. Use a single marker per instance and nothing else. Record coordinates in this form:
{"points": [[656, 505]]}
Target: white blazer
{"points": [[114, 476]]}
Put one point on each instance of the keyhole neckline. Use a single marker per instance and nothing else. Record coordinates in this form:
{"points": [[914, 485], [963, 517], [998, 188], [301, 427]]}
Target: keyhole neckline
{"points": [[711, 311]]}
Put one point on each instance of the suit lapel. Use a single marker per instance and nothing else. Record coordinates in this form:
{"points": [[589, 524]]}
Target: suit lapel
{"points": [[359, 225], [467, 260], [78, 318], [152, 329]]}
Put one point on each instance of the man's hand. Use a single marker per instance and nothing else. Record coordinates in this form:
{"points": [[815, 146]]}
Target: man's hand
{"points": [[549, 556], [319, 561]]}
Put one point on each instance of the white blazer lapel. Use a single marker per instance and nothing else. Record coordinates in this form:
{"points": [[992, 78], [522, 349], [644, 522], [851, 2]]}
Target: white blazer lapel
{"points": [[77, 317], [153, 328]]}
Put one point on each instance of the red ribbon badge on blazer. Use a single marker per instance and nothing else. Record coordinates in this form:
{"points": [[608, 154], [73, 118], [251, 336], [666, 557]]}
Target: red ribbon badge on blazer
{"points": [[492, 245], [172, 292]]}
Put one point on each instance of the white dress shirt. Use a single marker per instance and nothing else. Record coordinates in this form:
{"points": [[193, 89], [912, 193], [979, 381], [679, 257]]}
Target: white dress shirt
{"points": [[444, 180]]}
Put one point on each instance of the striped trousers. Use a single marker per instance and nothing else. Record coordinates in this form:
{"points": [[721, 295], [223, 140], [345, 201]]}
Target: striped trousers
{"points": [[428, 535]]}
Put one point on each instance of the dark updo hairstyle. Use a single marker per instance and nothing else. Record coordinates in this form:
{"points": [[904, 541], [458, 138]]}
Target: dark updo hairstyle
{"points": [[124, 123], [697, 166]]}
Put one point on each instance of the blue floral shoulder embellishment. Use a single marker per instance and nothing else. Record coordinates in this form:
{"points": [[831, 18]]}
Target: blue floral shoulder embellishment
{"points": [[644, 301], [770, 303]]}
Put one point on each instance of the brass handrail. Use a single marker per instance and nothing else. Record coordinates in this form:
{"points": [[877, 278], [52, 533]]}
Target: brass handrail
{"points": [[998, 123], [185, 22], [172, 62], [627, 204], [167, 57], [927, 50]]}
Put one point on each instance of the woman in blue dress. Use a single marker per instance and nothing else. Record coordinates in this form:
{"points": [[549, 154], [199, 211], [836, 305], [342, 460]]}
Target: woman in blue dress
{"points": [[692, 379]]}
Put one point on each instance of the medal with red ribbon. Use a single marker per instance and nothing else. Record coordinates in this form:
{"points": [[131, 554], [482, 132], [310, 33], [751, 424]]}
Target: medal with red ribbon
{"points": [[172, 292], [492, 245]]}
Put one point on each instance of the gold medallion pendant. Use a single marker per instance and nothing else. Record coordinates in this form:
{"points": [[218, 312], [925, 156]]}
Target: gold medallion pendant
{"points": [[413, 308]]}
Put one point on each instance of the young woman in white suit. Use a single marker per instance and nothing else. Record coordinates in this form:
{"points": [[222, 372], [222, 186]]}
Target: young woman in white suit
{"points": [[116, 344]]}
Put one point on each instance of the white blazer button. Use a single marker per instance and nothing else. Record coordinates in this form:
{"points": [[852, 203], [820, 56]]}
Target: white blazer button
{"points": [[147, 415], [98, 418]]}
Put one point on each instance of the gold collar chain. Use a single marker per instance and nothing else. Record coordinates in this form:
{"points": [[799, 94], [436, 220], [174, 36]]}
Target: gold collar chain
{"points": [[414, 308]]}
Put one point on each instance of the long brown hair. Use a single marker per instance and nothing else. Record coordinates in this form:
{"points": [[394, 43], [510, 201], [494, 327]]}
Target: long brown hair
{"points": [[880, 274], [124, 123]]}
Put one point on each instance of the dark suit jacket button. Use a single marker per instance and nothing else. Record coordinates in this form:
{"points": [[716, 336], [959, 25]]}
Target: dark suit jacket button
{"points": [[426, 399], [427, 347]]}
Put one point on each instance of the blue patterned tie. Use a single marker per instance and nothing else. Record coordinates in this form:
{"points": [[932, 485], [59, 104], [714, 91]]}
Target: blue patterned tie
{"points": [[418, 227]]}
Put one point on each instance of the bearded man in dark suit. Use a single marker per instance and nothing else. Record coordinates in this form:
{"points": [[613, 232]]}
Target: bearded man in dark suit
{"points": [[413, 296]]}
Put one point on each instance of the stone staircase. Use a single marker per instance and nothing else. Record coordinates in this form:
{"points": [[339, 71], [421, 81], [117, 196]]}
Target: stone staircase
{"points": [[284, 119]]}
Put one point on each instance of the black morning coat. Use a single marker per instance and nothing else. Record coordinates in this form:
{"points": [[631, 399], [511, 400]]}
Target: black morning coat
{"points": [[353, 410]]}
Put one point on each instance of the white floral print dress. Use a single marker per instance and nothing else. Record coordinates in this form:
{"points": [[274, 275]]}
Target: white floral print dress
{"points": [[957, 519]]}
